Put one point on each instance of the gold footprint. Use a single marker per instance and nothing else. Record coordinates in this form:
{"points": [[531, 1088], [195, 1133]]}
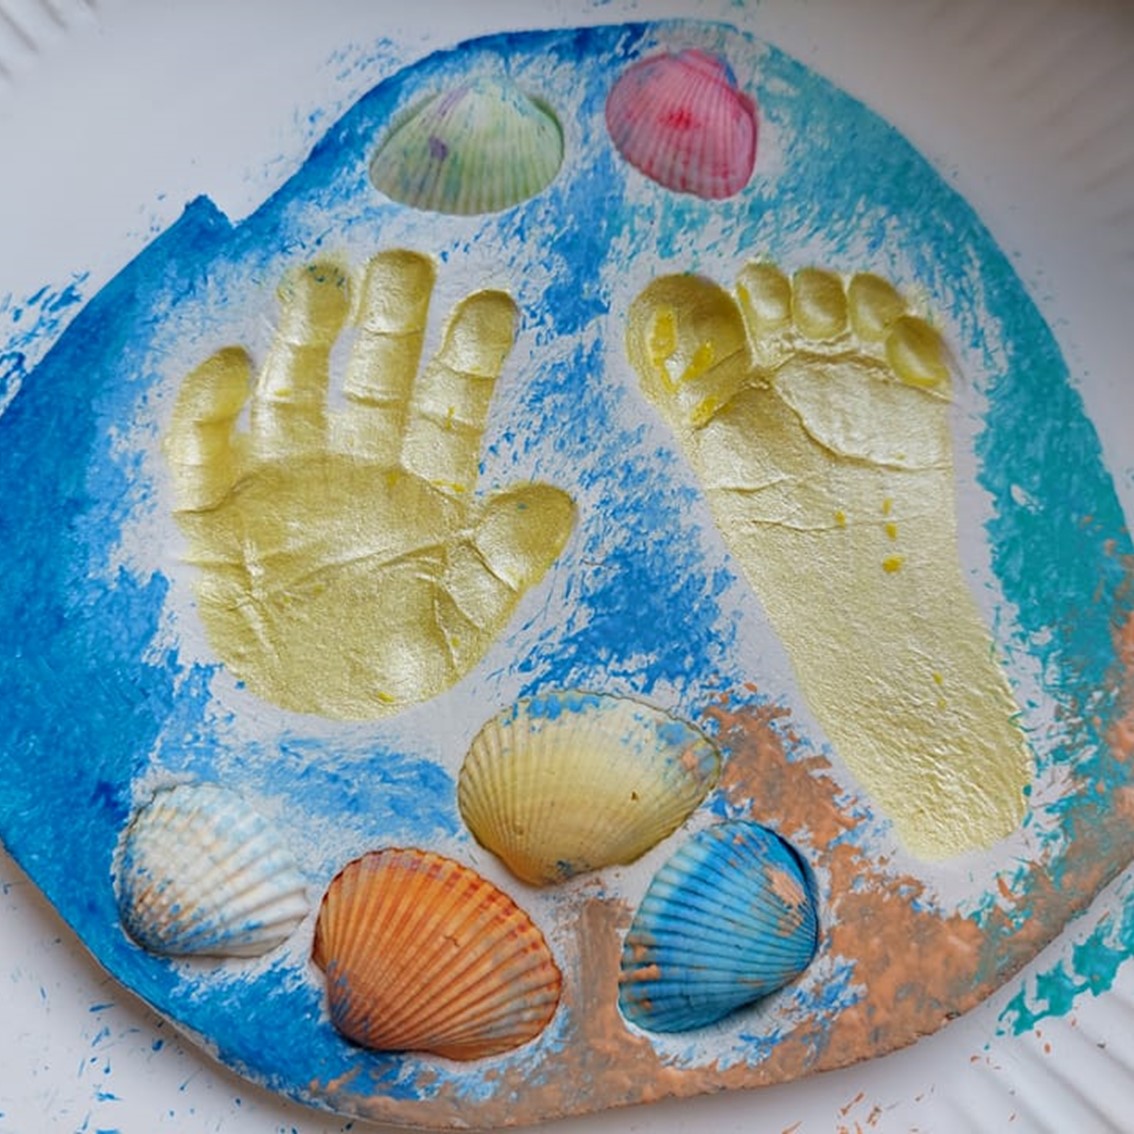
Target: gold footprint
{"points": [[817, 417], [347, 568]]}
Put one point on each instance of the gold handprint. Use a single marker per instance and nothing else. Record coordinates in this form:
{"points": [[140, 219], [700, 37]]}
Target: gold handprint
{"points": [[347, 568]]}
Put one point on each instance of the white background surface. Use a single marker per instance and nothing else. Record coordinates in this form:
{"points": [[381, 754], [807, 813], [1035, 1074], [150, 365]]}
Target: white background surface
{"points": [[114, 114]]}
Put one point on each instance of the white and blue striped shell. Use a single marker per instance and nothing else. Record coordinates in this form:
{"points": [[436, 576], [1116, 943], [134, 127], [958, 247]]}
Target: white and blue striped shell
{"points": [[729, 919], [201, 872]]}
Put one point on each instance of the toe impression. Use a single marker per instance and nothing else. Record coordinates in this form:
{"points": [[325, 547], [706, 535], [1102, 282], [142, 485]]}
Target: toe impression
{"points": [[917, 354], [686, 339]]}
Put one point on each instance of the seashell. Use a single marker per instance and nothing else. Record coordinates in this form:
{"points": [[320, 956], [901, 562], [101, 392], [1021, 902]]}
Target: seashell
{"points": [[683, 121], [481, 147], [568, 782], [421, 953], [730, 918], [199, 871]]}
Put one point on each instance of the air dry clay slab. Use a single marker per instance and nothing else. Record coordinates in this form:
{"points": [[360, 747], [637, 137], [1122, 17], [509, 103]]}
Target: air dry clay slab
{"points": [[601, 588]]}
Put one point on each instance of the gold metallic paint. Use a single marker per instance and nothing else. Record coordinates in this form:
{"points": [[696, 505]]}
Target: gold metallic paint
{"points": [[826, 457], [347, 566]]}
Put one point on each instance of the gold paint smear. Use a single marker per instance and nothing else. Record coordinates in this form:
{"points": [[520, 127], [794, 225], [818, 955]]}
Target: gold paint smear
{"points": [[347, 567], [796, 428]]}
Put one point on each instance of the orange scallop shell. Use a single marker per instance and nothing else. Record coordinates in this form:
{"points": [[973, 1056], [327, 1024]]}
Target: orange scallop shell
{"points": [[421, 953]]}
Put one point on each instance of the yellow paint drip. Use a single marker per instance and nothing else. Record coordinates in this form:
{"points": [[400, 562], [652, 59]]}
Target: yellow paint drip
{"points": [[345, 568], [701, 361], [704, 411], [663, 341], [814, 420]]}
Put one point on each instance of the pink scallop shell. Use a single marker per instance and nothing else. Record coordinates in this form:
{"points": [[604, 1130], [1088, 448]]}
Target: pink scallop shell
{"points": [[683, 122]]}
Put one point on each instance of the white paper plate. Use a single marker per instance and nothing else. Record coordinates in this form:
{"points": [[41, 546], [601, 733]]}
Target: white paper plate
{"points": [[113, 115]]}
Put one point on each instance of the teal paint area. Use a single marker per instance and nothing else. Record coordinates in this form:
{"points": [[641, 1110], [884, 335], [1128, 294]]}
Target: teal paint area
{"points": [[101, 692], [1089, 968]]}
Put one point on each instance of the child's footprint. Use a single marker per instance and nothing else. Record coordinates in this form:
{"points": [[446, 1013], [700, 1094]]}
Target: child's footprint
{"points": [[817, 417]]}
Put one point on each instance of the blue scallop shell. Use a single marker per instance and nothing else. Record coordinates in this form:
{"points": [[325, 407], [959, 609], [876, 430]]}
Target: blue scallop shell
{"points": [[730, 918]]}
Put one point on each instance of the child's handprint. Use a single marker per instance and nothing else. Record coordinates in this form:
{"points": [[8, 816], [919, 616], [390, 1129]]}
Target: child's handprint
{"points": [[347, 567]]}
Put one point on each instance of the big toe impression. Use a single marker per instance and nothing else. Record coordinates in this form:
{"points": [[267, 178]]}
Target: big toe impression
{"points": [[685, 338]]}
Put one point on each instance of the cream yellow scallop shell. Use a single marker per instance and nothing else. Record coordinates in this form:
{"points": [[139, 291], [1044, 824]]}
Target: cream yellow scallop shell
{"points": [[571, 781]]}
